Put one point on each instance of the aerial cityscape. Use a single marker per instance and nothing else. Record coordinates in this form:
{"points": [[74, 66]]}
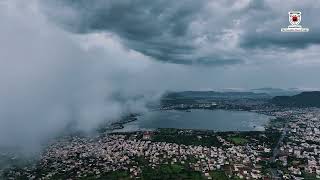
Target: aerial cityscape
{"points": [[161, 89], [288, 147]]}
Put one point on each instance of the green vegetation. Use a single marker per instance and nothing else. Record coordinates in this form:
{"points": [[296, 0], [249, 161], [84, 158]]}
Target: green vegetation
{"points": [[218, 175], [293, 161], [304, 99], [271, 138], [308, 176], [238, 140], [277, 123], [119, 175], [173, 171]]}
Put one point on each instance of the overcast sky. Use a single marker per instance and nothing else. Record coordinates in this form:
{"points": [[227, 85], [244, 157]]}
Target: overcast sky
{"points": [[87, 61], [238, 41]]}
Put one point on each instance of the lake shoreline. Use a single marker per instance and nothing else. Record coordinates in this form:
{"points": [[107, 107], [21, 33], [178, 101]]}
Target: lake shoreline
{"points": [[122, 127]]}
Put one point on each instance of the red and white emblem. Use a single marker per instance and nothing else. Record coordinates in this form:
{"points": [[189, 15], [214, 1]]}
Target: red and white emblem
{"points": [[294, 18]]}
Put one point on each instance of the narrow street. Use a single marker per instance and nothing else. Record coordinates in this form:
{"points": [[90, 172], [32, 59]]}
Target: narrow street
{"points": [[276, 150]]}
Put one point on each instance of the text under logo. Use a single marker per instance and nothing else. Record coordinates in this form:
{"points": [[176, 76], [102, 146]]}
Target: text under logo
{"points": [[295, 19]]}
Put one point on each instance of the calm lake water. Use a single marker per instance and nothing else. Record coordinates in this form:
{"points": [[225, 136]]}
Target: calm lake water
{"points": [[217, 120]]}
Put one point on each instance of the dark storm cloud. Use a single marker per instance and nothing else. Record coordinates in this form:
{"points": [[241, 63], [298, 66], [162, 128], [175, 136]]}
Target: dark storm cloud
{"points": [[191, 32], [263, 23], [133, 19], [159, 29], [165, 51], [219, 62], [274, 40], [155, 28]]}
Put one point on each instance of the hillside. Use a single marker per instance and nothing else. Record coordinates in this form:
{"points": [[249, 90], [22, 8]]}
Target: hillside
{"points": [[304, 99], [214, 94], [277, 91]]}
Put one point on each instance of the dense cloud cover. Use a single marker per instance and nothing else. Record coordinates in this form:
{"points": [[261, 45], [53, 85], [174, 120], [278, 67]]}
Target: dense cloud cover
{"points": [[85, 62], [193, 32], [49, 81]]}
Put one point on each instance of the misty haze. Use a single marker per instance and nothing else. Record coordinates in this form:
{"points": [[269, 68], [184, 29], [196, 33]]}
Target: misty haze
{"points": [[160, 89]]}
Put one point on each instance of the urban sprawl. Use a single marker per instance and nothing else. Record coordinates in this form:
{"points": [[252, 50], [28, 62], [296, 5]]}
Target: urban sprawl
{"points": [[289, 148]]}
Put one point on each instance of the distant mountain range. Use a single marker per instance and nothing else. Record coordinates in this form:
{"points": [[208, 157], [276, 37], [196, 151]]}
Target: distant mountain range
{"points": [[232, 93], [214, 94], [277, 91], [304, 99], [281, 97]]}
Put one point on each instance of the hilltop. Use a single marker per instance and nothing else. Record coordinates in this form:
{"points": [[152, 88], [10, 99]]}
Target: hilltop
{"points": [[214, 94], [304, 99]]}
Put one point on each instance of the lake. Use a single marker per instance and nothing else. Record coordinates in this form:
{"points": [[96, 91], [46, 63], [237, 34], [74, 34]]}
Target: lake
{"points": [[217, 120]]}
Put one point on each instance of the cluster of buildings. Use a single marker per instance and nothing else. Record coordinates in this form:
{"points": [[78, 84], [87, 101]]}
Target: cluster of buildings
{"points": [[186, 106], [80, 157], [299, 153], [295, 155]]}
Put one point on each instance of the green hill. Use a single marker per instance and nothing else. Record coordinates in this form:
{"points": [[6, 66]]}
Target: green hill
{"points": [[304, 99]]}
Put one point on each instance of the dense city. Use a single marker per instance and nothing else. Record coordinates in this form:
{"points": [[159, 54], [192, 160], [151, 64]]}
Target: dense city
{"points": [[287, 149]]}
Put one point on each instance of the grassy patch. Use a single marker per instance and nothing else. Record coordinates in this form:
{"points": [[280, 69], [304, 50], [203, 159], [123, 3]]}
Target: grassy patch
{"points": [[308, 175], [174, 171], [121, 175], [238, 140], [218, 175]]}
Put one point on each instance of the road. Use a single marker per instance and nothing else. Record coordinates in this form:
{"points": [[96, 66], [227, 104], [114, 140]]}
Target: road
{"points": [[276, 150]]}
